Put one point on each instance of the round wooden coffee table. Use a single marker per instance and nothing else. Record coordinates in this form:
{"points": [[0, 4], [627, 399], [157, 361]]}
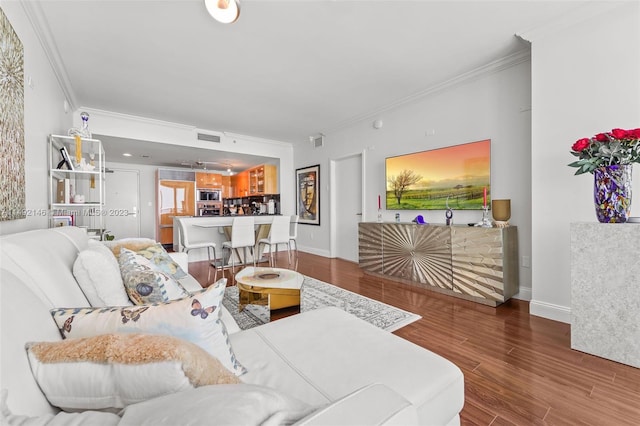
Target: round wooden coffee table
{"points": [[275, 288]]}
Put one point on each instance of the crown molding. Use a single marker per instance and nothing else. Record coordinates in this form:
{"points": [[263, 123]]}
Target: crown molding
{"points": [[178, 126], [579, 14], [522, 55], [139, 119], [35, 15]]}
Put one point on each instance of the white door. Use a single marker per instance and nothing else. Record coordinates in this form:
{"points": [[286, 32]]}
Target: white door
{"points": [[122, 203], [348, 208]]}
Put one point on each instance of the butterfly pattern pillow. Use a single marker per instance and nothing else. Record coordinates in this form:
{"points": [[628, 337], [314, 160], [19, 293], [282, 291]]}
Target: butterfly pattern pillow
{"points": [[143, 283], [195, 318]]}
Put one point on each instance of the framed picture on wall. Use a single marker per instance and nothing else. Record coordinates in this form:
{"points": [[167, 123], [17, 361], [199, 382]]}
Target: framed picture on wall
{"points": [[308, 195]]}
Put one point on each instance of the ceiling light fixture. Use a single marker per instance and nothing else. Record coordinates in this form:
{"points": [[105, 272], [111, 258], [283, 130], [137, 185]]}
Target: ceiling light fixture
{"points": [[225, 11]]}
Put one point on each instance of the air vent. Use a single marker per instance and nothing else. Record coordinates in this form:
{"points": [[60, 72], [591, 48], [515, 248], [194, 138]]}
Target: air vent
{"points": [[208, 138], [318, 141]]}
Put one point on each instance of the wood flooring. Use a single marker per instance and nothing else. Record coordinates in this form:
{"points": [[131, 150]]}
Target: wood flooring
{"points": [[519, 369]]}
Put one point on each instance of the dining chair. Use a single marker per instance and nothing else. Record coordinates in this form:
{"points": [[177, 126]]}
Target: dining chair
{"points": [[188, 245], [279, 234], [293, 235], [243, 235]]}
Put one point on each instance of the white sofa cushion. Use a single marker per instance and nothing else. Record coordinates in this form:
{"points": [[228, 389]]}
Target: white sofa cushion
{"points": [[43, 260], [85, 418], [346, 356], [375, 404], [218, 405], [97, 271], [24, 317], [195, 318], [111, 371]]}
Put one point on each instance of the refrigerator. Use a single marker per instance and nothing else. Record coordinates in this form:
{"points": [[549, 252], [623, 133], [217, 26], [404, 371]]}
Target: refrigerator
{"points": [[176, 196]]}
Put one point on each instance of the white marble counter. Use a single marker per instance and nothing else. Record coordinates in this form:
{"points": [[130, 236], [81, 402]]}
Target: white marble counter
{"points": [[605, 290]]}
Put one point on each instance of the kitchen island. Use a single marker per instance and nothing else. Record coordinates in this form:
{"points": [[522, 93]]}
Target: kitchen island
{"points": [[213, 229]]}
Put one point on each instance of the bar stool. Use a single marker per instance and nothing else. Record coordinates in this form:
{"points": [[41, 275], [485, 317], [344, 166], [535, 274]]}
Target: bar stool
{"points": [[243, 235], [279, 234], [187, 245]]}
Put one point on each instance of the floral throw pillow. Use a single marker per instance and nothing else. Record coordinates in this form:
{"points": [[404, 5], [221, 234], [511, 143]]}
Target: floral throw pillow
{"points": [[143, 283], [195, 318], [161, 261]]}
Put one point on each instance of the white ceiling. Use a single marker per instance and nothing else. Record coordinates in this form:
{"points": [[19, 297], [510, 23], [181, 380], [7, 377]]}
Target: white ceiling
{"points": [[285, 70]]}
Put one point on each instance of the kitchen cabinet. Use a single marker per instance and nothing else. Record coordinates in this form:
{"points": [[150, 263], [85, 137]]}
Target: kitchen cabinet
{"points": [[227, 191], [208, 180], [240, 183], [263, 180]]}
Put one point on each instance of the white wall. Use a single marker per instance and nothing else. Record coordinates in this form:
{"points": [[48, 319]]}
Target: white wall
{"points": [[43, 114], [585, 80], [492, 106]]}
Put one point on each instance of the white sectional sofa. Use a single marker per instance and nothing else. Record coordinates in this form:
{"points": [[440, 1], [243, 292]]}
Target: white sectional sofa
{"points": [[318, 367]]}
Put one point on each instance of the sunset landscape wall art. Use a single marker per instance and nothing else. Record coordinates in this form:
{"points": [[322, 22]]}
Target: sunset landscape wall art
{"points": [[456, 177]]}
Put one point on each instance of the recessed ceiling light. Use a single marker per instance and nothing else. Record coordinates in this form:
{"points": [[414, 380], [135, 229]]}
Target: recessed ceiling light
{"points": [[126, 154], [225, 11]]}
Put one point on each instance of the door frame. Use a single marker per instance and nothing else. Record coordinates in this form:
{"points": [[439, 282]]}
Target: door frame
{"points": [[333, 190]]}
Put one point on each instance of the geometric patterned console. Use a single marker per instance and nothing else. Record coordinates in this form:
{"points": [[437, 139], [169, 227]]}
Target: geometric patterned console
{"points": [[478, 264]]}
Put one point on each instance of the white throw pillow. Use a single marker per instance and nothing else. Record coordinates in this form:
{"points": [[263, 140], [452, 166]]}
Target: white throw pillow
{"points": [[195, 318], [111, 371], [97, 272]]}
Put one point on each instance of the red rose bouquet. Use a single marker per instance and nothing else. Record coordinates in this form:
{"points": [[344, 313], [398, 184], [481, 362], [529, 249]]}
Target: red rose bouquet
{"points": [[616, 147]]}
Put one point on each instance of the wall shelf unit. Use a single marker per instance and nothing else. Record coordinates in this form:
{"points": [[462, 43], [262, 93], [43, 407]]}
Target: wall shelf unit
{"points": [[76, 194]]}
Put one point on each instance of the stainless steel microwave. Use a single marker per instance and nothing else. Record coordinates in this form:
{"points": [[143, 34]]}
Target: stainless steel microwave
{"points": [[209, 194]]}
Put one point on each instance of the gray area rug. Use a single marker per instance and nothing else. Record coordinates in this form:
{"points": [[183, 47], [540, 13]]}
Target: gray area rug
{"points": [[317, 294]]}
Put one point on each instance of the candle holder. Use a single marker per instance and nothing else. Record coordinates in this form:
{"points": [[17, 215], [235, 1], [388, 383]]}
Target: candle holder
{"points": [[485, 222], [379, 216]]}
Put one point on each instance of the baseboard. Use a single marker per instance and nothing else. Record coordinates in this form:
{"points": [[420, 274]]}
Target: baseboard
{"points": [[312, 250], [524, 293], [550, 311]]}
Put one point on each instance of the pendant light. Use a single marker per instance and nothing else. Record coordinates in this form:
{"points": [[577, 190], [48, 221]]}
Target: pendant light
{"points": [[225, 11]]}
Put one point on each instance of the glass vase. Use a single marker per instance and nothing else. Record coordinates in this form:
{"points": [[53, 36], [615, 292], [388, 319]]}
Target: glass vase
{"points": [[612, 193]]}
